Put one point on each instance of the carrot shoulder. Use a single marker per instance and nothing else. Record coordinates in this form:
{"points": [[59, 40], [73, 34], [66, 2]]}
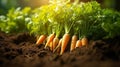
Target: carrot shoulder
{"points": [[78, 43], [65, 41], [40, 40], [84, 41]]}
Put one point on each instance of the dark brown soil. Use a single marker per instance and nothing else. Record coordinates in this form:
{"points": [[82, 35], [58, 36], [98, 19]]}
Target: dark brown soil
{"points": [[19, 50]]}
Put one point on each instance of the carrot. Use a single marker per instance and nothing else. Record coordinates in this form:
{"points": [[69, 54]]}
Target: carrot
{"points": [[55, 42], [58, 46], [78, 43], [51, 46], [58, 49], [40, 40], [65, 41], [73, 42], [50, 39], [84, 41]]}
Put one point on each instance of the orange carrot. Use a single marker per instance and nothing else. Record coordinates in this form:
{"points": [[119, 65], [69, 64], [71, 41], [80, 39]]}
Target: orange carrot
{"points": [[58, 46], [55, 42], [84, 41], [78, 43], [73, 42], [50, 39], [51, 46], [65, 41], [40, 40], [58, 49]]}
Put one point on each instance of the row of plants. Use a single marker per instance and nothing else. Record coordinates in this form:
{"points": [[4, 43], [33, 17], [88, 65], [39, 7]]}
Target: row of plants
{"points": [[63, 20]]}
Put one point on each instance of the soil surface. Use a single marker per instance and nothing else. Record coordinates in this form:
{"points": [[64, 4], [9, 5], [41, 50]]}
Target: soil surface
{"points": [[19, 50]]}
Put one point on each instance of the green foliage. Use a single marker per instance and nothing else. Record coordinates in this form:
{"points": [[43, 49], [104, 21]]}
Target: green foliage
{"points": [[111, 23], [77, 17], [60, 17], [14, 22]]}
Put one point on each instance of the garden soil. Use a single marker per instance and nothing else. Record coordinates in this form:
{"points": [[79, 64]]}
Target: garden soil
{"points": [[19, 50]]}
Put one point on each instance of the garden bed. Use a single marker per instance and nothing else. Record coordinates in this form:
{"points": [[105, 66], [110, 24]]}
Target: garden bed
{"points": [[60, 34], [19, 50]]}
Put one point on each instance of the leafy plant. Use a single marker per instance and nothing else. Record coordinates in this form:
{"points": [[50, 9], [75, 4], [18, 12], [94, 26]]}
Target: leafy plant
{"points": [[111, 23], [60, 17], [15, 20]]}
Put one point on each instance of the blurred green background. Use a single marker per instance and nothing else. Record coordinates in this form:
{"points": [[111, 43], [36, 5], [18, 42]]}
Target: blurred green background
{"points": [[5, 5]]}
